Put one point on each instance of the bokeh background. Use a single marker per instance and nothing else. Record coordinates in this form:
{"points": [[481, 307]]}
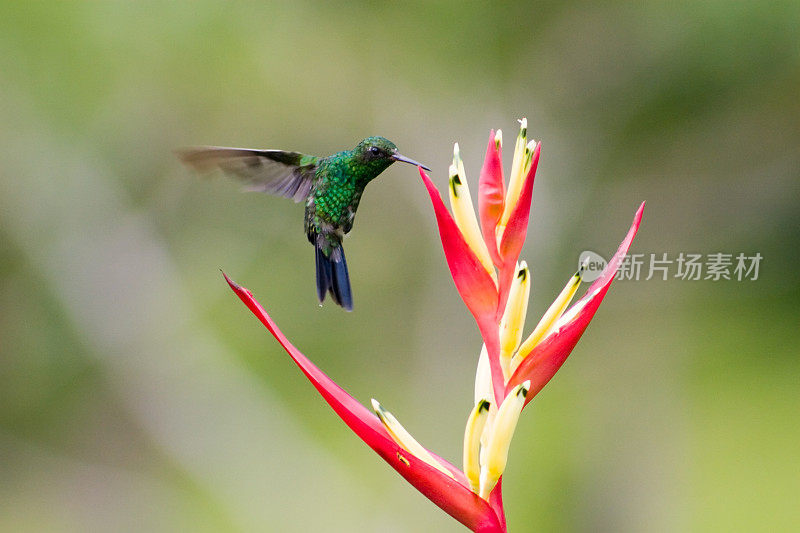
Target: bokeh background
{"points": [[138, 394]]}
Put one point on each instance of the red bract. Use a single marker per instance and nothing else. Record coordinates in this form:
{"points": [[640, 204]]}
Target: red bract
{"points": [[548, 356], [491, 197], [472, 281], [452, 495]]}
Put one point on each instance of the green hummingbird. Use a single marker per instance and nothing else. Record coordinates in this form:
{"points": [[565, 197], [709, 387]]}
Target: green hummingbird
{"points": [[331, 188]]}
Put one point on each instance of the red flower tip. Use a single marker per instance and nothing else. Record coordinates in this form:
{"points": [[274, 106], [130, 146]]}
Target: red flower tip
{"points": [[491, 196], [235, 286]]}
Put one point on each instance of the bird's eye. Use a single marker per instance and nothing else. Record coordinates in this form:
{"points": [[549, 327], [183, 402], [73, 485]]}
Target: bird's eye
{"points": [[374, 150]]}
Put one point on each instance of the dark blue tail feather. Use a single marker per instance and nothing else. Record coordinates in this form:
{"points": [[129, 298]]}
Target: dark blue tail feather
{"points": [[332, 276]]}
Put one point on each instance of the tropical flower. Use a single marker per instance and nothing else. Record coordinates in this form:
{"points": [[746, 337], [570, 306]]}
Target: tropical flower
{"points": [[482, 253]]}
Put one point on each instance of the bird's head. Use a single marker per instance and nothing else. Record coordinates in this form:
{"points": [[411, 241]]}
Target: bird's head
{"points": [[379, 151]]}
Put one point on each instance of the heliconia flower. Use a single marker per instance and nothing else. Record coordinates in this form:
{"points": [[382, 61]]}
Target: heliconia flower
{"points": [[482, 253], [507, 365]]}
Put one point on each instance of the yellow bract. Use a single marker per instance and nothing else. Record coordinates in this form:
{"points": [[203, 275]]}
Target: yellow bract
{"points": [[500, 435], [472, 443], [555, 310], [404, 439], [514, 316], [464, 213], [516, 177]]}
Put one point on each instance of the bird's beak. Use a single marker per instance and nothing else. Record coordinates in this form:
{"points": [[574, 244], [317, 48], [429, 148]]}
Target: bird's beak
{"points": [[404, 159]]}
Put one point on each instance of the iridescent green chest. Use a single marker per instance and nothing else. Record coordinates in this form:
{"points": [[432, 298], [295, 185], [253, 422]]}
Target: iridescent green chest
{"points": [[334, 197]]}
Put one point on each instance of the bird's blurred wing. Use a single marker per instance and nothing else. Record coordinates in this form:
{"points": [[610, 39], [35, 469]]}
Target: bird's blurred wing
{"points": [[288, 174]]}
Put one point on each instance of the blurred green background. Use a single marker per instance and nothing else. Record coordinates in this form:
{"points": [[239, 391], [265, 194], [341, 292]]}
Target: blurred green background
{"points": [[138, 394]]}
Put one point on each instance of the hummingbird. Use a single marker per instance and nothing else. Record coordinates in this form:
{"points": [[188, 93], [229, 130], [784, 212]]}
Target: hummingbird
{"points": [[331, 188]]}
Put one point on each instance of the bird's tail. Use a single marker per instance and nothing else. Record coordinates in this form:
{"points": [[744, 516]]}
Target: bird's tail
{"points": [[332, 276]]}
